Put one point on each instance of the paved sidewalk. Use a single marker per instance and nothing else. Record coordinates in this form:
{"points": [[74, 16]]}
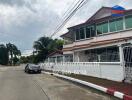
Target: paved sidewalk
{"points": [[58, 89], [117, 86]]}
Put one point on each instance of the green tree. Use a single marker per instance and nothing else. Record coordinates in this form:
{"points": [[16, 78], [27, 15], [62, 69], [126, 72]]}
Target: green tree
{"points": [[44, 46], [10, 52], [28, 59], [3, 55], [15, 60], [13, 52]]}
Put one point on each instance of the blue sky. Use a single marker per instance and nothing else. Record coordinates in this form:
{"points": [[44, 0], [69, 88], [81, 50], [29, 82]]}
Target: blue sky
{"points": [[24, 21]]}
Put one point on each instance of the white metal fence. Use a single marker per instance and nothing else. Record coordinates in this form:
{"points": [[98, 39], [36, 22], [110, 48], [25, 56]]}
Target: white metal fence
{"points": [[107, 70]]}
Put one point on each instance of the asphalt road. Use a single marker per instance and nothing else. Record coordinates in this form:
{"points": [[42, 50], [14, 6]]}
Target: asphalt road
{"points": [[17, 85]]}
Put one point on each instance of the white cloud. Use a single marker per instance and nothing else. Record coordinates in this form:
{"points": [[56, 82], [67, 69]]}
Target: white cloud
{"points": [[23, 21], [27, 53]]}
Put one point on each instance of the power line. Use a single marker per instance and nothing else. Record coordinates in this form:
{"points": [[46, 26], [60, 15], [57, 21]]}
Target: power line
{"points": [[67, 19], [69, 8], [68, 11], [81, 4], [85, 2]]}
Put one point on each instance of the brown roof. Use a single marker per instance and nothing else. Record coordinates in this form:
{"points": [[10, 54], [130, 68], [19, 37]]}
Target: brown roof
{"points": [[55, 52], [93, 21], [64, 34], [89, 21], [98, 43], [109, 8]]}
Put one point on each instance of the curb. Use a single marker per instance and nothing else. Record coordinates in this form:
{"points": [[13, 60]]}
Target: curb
{"points": [[103, 89]]}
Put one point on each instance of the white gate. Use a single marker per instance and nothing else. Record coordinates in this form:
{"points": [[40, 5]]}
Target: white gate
{"points": [[127, 50]]}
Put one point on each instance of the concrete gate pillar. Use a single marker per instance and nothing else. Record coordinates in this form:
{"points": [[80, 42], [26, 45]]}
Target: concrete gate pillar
{"points": [[121, 55]]}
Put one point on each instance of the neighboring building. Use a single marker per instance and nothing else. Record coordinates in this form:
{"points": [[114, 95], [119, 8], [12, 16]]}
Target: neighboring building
{"points": [[57, 57], [102, 38]]}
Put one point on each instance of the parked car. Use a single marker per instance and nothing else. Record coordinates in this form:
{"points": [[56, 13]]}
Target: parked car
{"points": [[32, 68]]}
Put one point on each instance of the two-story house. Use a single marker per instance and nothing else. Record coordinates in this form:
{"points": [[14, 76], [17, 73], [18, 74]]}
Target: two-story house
{"points": [[102, 38]]}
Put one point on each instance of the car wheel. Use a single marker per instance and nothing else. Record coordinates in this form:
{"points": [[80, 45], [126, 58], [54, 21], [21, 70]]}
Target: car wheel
{"points": [[39, 72], [29, 71], [25, 71]]}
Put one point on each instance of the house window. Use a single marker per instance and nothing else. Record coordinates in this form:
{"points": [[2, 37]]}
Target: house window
{"points": [[113, 54], [93, 31], [82, 33], [99, 29], [119, 24], [105, 27], [77, 34], [108, 54], [102, 28], [116, 25], [128, 21], [112, 26], [90, 32], [59, 58], [69, 58], [52, 59]]}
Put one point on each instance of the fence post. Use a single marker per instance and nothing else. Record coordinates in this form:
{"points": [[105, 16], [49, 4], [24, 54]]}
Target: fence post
{"points": [[99, 64]]}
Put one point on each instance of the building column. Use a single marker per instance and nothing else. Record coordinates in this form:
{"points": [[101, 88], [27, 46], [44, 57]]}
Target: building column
{"points": [[48, 60], [121, 55], [55, 59], [99, 58], [73, 56], [78, 59], [63, 58]]}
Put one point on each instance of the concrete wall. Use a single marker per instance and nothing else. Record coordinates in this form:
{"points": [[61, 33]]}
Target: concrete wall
{"points": [[106, 70]]}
